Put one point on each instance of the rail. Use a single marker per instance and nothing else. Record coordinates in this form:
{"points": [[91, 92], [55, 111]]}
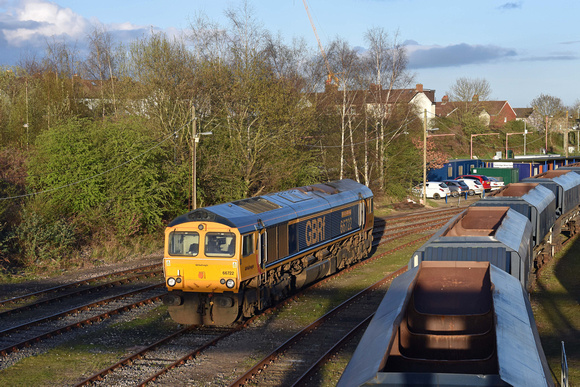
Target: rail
{"points": [[564, 368], [260, 366]]}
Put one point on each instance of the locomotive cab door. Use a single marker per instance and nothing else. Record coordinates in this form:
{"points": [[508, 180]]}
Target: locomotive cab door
{"points": [[362, 213], [262, 247]]}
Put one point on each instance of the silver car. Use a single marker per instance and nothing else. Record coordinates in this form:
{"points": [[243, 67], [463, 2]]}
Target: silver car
{"points": [[475, 187]]}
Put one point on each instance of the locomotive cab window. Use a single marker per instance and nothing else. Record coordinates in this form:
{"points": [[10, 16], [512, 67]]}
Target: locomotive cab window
{"points": [[220, 244], [184, 243], [247, 245]]}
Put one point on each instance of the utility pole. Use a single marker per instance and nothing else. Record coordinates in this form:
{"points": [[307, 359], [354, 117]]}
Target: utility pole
{"points": [[566, 135], [193, 204], [425, 158]]}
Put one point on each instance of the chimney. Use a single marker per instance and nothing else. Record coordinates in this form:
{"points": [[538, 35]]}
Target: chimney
{"points": [[476, 98], [445, 99], [330, 88], [419, 87], [374, 87]]}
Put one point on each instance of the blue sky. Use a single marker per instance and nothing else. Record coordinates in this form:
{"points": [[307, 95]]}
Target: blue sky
{"points": [[522, 48]]}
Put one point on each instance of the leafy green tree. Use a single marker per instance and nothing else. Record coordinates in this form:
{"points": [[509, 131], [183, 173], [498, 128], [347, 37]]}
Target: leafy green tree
{"points": [[253, 106], [113, 169], [258, 125]]}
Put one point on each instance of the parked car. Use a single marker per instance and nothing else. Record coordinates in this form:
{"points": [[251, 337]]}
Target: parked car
{"points": [[484, 180], [475, 187], [457, 187], [434, 189], [495, 183]]}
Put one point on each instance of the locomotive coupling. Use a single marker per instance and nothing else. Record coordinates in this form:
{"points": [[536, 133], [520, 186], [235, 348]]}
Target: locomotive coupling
{"points": [[172, 300]]}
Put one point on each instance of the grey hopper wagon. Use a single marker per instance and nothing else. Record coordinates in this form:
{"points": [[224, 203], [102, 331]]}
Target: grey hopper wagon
{"points": [[451, 324], [498, 235], [534, 201], [571, 167], [564, 184]]}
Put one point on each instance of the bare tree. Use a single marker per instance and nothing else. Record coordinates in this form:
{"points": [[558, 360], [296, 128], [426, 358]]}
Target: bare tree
{"points": [[385, 65], [286, 60], [100, 64], [547, 105], [209, 39], [246, 37], [61, 58], [549, 113], [60, 63], [345, 63], [469, 89], [163, 76]]}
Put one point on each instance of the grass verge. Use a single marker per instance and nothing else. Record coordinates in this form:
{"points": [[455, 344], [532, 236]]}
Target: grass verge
{"points": [[555, 302]]}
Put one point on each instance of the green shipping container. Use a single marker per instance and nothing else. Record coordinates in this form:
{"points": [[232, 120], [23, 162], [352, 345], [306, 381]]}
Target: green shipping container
{"points": [[507, 175]]}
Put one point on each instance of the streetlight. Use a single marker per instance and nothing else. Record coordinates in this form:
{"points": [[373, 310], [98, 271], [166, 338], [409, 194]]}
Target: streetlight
{"points": [[195, 140], [546, 135], [425, 153], [525, 133], [475, 135]]}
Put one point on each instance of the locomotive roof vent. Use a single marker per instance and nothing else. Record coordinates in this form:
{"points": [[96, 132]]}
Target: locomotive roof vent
{"points": [[257, 205], [320, 188]]}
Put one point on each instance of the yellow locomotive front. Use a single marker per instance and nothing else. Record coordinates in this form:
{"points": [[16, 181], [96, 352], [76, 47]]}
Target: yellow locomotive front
{"points": [[202, 272]]}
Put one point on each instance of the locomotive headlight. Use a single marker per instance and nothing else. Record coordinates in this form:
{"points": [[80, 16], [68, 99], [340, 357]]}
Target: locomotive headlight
{"points": [[230, 283], [171, 281]]}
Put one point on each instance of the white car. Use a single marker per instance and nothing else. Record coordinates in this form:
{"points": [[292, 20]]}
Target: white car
{"points": [[495, 183], [475, 187], [434, 190]]}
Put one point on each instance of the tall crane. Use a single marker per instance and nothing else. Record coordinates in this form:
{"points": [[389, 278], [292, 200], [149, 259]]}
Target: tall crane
{"points": [[331, 76]]}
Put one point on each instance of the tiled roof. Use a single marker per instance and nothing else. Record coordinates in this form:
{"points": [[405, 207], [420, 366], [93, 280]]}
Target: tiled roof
{"points": [[523, 112], [374, 95], [493, 108]]}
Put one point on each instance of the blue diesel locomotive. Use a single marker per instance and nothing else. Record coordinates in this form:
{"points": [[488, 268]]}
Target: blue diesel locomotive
{"points": [[226, 262]]}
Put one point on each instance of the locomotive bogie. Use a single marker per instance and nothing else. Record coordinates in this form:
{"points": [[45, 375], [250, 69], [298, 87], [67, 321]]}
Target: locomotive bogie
{"points": [[204, 308]]}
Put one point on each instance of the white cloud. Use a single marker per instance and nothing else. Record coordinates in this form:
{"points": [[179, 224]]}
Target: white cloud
{"points": [[36, 19]]}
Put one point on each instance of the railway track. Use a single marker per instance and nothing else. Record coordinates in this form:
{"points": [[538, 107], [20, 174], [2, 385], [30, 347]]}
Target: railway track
{"points": [[55, 289], [294, 361], [143, 366], [37, 316], [9, 342], [159, 357], [22, 335], [67, 291]]}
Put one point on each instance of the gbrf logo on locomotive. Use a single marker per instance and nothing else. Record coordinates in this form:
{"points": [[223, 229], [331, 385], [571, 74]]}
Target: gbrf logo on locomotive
{"points": [[314, 231]]}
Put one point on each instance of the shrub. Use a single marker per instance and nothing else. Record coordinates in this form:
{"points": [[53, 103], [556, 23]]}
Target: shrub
{"points": [[40, 241]]}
